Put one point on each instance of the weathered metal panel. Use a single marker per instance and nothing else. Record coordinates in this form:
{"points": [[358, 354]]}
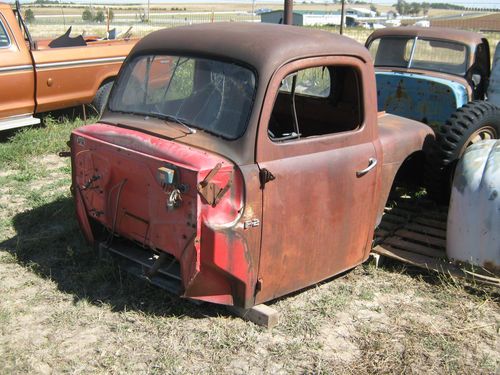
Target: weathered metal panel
{"points": [[494, 85], [120, 181], [430, 100], [474, 216], [318, 215]]}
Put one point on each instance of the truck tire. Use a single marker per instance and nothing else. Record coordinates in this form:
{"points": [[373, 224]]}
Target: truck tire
{"points": [[101, 97], [475, 121]]}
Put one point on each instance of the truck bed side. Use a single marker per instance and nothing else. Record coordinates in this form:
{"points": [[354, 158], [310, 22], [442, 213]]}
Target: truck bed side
{"points": [[44, 79], [400, 138], [71, 76]]}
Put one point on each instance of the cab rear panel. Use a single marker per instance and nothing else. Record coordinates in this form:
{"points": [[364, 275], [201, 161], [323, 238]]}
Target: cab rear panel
{"points": [[166, 198]]}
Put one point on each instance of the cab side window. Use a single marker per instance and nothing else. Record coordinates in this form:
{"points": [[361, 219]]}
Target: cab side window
{"points": [[4, 38], [317, 101]]}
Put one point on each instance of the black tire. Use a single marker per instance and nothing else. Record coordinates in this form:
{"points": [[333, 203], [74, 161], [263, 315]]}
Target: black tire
{"points": [[471, 123], [101, 97]]}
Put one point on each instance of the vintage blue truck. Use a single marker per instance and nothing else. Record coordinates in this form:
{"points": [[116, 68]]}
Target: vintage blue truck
{"points": [[439, 77]]}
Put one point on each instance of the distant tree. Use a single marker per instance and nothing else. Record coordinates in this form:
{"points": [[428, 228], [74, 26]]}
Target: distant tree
{"points": [[415, 9], [373, 8], [400, 6], [425, 8], [99, 17], [111, 15], [29, 16], [87, 15]]}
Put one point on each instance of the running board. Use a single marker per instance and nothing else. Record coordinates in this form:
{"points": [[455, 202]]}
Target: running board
{"points": [[161, 270], [18, 122]]}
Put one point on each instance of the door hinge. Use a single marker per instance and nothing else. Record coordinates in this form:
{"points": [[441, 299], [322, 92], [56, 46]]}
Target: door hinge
{"points": [[265, 176]]}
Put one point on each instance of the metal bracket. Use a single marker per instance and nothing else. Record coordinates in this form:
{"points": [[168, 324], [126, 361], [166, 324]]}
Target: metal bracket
{"points": [[213, 193], [265, 176]]}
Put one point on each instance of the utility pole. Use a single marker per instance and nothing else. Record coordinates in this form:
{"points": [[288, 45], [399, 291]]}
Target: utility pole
{"points": [[288, 13], [342, 17]]}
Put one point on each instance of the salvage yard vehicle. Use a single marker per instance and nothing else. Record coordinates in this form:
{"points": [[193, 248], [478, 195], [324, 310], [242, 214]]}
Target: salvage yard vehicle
{"points": [[474, 215], [40, 76], [440, 77], [233, 167]]}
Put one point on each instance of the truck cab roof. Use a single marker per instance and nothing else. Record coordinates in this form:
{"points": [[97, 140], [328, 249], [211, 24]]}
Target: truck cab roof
{"points": [[468, 38], [263, 46]]}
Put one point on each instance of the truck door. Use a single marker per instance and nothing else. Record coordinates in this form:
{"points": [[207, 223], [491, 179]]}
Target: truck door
{"points": [[316, 151], [17, 77]]}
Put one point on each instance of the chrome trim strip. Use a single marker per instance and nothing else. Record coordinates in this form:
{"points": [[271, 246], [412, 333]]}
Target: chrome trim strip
{"points": [[7, 69], [80, 62], [15, 117]]}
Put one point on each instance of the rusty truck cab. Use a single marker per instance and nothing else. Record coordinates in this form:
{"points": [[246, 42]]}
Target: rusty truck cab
{"points": [[245, 159]]}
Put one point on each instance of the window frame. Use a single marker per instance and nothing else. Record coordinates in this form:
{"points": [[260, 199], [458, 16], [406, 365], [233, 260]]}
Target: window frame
{"points": [[267, 150], [2, 26], [415, 40], [307, 94], [360, 95], [130, 59]]}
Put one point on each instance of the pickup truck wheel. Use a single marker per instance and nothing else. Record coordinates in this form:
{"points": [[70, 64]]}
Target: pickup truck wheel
{"points": [[101, 97], [475, 121]]}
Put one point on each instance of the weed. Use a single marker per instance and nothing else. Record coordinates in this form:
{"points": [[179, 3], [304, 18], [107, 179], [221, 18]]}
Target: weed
{"points": [[63, 310]]}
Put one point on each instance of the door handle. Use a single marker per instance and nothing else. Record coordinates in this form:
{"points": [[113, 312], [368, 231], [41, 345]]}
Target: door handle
{"points": [[372, 162]]}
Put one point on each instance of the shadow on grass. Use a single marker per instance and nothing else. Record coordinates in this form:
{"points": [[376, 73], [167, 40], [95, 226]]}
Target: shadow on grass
{"points": [[49, 243], [442, 280]]}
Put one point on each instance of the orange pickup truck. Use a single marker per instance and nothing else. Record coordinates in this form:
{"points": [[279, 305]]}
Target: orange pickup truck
{"points": [[40, 76]]}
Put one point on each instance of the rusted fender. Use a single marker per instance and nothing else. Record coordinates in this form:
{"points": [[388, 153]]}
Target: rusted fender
{"points": [[473, 234], [399, 138]]}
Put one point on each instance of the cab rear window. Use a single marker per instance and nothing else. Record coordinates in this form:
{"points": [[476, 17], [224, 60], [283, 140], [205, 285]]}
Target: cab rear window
{"points": [[205, 94], [420, 53]]}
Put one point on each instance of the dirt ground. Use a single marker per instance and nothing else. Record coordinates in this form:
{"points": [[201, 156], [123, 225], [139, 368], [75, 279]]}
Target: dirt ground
{"points": [[64, 311]]}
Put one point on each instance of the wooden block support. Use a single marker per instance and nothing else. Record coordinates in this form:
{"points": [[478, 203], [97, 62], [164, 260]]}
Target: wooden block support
{"points": [[261, 315]]}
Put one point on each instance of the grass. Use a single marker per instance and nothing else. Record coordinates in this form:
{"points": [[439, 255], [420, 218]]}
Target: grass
{"points": [[63, 310], [23, 145]]}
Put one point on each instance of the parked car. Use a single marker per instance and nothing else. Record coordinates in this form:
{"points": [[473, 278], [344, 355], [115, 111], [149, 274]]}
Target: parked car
{"points": [[41, 75], [440, 77], [235, 168]]}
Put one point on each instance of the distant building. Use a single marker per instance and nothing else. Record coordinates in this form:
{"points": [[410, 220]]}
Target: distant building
{"points": [[360, 12], [303, 18]]}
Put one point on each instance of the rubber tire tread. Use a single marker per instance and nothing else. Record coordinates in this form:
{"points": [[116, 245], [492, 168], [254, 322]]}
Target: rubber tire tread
{"points": [[101, 97], [450, 138]]}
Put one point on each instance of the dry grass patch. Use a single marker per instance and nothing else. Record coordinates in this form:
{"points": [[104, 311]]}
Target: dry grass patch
{"points": [[62, 310]]}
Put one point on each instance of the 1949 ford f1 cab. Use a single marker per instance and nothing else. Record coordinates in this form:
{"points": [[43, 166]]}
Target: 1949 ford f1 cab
{"points": [[440, 77], [41, 76], [236, 163]]}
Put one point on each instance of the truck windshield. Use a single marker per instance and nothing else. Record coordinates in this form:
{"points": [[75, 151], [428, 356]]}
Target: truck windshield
{"points": [[210, 95], [420, 53]]}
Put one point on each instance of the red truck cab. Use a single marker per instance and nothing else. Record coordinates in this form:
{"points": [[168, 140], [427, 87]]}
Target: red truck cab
{"points": [[236, 163]]}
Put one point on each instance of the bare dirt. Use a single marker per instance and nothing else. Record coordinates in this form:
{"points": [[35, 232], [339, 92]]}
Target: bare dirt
{"points": [[63, 311]]}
